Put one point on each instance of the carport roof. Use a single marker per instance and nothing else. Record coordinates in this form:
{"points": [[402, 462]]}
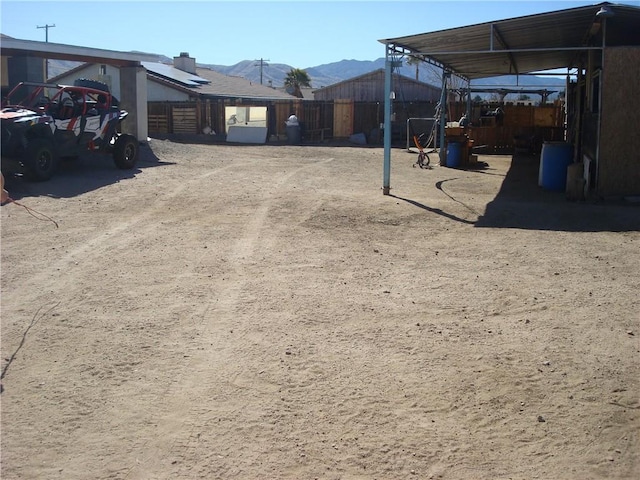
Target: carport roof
{"points": [[532, 43], [13, 46]]}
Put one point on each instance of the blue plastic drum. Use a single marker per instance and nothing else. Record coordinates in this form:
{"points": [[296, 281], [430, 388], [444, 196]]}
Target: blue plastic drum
{"points": [[454, 154], [554, 161]]}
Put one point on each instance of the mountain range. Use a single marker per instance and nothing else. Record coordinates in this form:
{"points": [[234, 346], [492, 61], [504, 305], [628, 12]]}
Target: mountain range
{"points": [[321, 75], [328, 74], [331, 73]]}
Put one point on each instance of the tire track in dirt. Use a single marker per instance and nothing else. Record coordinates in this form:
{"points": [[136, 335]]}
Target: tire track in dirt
{"points": [[188, 411], [106, 238], [245, 246], [93, 252]]}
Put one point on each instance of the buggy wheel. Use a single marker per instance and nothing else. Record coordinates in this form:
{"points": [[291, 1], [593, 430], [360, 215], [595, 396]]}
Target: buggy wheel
{"points": [[125, 152], [423, 160], [40, 160]]}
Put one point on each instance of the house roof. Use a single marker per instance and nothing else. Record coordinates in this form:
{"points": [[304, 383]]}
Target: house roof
{"points": [[208, 82], [205, 82], [532, 43], [221, 85]]}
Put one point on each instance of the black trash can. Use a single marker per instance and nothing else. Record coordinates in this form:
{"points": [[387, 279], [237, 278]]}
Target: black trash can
{"points": [[293, 134]]}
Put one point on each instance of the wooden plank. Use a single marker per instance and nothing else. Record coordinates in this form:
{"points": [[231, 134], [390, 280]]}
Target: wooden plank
{"points": [[158, 124], [184, 120], [283, 112], [317, 135], [545, 116], [518, 115], [343, 118]]}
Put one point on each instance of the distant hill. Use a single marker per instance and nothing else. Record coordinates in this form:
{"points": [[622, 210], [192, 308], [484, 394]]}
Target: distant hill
{"points": [[331, 73], [321, 76], [58, 67]]}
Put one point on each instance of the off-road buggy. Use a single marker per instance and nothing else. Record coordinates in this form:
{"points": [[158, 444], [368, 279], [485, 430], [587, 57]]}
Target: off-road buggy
{"points": [[42, 123]]}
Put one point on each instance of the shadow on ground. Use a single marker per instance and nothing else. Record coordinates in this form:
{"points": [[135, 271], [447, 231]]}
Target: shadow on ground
{"points": [[521, 203], [220, 139], [437, 211], [76, 176]]}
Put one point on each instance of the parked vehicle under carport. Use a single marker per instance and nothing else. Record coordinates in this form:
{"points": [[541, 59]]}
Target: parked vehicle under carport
{"points": [[42, 123]]}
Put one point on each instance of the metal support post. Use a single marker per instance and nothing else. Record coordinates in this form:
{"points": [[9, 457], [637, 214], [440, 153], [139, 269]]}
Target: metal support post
{"points": [[443, 118], [386, 176]]}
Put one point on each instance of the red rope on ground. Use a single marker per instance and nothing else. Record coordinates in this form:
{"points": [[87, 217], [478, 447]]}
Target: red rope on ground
{"points": [[34, 213]]}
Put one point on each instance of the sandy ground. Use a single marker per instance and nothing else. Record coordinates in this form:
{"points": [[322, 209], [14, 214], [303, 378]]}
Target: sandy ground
{"points": [[264, 312]]}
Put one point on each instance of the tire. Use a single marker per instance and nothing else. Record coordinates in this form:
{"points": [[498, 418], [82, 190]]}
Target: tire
{"points": [[125, 152], [96, 84], [88, 83], [41, 161]]}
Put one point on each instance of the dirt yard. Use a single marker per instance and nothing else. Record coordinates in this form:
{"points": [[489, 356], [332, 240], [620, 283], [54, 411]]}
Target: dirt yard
{"points": [[265, 312]]}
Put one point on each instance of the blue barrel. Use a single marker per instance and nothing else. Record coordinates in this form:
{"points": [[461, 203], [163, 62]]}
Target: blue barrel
{"points": [[454, 154], [554, 161]]}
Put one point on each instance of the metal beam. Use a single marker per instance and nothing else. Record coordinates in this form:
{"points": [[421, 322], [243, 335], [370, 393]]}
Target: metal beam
{"points": [[513, 50], [496, 32]]}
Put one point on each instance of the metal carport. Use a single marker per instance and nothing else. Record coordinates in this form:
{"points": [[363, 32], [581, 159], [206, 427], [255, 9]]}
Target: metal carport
{"points": [[517, 46]]}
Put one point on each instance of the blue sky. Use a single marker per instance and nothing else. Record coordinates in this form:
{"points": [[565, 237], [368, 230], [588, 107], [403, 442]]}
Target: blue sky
{"points": [[299, 33]]}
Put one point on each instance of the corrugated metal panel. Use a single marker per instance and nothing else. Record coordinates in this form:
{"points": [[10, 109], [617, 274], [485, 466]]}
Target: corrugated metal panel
{"points": [[524, 44]]}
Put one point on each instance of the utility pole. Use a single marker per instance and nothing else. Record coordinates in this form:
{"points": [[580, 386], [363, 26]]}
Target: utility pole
{"points": [[46, 39], [46, 30], [262, 64]]}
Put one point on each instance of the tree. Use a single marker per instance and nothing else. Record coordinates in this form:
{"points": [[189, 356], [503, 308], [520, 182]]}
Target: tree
{"points": [[297, 78], [431, 73], [415, 61]]}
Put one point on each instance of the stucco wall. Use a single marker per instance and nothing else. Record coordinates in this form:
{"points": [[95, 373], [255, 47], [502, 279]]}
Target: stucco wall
{"points": [[157, 92], [93, 72]]}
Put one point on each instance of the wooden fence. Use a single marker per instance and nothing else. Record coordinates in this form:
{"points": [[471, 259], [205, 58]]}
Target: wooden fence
{"points": [[524, 126]]}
